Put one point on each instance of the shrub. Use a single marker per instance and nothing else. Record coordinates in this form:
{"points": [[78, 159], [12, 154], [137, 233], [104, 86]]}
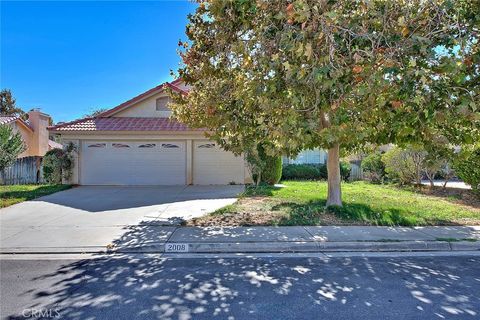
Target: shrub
{"points": [[52, 166], [266, 169], [312, 171], [404, 165], [322, 168], [374, 168], [345, 170], [272, 172], [58, 164], [304, 172], [467, 167]]}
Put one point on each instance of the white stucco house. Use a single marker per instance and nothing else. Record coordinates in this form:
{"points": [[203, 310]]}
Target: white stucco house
{"points": [[137, 143], [311, 156]]}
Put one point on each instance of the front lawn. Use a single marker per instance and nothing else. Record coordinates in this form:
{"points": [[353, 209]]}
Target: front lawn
{"points": [[303, 203], [18, 193]]}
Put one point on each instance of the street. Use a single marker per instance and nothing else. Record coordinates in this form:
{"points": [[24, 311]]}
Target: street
{"points": [[139, 286]]}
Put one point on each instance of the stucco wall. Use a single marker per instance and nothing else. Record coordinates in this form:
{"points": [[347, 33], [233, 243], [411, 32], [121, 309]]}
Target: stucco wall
{"points": [[134, 136], [27, 136], [145, 108]]}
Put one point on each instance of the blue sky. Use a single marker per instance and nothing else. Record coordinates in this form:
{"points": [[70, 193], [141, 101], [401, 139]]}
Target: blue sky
{"points": [[69, 58]]}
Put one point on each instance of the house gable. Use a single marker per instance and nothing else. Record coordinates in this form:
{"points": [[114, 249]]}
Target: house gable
{"points": [[145, 108], [144, 105]]}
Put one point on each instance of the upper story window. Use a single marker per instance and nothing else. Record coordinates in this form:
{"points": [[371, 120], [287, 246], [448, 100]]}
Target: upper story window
{"points": [[162, 104]]}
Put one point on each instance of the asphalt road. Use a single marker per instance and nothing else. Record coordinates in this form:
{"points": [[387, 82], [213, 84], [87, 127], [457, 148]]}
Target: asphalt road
{"points": [[151, 287]]}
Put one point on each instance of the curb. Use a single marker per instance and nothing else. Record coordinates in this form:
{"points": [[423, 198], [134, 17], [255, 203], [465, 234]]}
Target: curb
{"points": [[261, 247], [309, 247]]}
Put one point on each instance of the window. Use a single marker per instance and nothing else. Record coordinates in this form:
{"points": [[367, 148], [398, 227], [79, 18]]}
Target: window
{"points": [[169, 145], [162, 104], [206, 146], [97, 145], [147, 145], [120, 145]]}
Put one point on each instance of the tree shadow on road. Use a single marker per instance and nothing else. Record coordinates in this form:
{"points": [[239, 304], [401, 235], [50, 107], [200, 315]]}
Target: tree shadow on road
{"points": [[142, 286]]}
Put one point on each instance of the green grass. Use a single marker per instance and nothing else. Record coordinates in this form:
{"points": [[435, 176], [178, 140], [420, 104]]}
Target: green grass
{"points": [[303, 203], [10, 195]]}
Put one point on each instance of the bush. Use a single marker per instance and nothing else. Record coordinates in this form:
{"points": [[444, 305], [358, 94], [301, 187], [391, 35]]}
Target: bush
{"points": [[58, 164], [374, 168], [467, 167], [304, 172], [272, 172], [312, 171], [345, 170], [404, 165], [52, 166]]}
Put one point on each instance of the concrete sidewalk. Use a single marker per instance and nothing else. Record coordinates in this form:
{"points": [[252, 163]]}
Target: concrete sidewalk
{"points": [[155, 238]]}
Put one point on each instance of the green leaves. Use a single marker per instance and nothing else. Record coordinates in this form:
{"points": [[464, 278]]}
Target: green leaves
{"points": [[11, 145], [306, 73]]}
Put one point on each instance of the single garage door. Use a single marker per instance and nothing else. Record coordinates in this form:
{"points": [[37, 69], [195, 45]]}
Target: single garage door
{"points": [[133, 163], [212, 165]]}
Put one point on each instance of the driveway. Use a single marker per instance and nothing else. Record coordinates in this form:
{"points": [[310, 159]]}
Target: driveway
{"points": [[90, 218]]}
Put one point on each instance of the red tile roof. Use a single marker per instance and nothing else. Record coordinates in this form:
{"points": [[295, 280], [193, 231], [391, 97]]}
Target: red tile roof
{"points": [[123, 124], [7, 119], [106, 122]]}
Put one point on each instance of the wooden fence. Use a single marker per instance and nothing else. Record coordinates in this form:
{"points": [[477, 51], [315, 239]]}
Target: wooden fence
{"points": [[356, 172], [26, 170]]}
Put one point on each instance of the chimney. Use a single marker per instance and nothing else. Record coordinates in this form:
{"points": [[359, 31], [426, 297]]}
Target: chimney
{"points": [[39, 122]]}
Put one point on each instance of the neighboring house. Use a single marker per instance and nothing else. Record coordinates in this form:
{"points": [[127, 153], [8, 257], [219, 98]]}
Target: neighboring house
{"points": [[137, 143], [314, 156], [33, 131]]}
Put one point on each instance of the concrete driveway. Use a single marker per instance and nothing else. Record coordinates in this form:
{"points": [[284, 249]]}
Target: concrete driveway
{"points": [[91, 218]]}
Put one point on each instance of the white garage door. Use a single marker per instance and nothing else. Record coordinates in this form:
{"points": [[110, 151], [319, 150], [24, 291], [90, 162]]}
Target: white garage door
{"points": [[212, 165], [133, 163]]}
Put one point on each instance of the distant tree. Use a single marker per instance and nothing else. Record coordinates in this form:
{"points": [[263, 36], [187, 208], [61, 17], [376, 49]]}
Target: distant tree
{"points": [[11, 145], [95, 112], [7, 104]]}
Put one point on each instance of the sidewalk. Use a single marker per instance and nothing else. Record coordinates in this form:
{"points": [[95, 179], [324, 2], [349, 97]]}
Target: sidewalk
{"points": [[155, 238]]}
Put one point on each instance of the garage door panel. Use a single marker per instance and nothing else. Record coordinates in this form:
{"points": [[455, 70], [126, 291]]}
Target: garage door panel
{"points": [[133, 163], [212, 165]]}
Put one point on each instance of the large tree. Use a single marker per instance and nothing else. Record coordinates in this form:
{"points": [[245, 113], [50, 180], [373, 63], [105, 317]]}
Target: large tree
{"points": [[7, 104], [332, 74]]}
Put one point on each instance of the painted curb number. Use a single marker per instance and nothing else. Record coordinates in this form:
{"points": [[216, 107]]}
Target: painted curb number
{"points": [[176, 247]]}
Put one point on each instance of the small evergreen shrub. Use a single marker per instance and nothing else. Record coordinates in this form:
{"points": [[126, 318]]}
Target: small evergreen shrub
{"points": [[467, 167], [272, 172], [304, 172], [313, 171]]}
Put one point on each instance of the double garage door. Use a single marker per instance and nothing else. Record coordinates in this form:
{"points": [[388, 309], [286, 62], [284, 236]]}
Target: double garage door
{"points": [[157, 163]]}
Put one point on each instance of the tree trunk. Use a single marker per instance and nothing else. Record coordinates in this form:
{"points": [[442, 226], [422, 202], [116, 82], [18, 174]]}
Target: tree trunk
{"points": [[334, 178]]}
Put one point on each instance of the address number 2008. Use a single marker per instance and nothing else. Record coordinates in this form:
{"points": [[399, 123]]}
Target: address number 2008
{"points": [[176, 247]]}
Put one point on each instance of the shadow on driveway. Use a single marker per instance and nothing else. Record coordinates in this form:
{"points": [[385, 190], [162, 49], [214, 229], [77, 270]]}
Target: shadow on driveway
{"points": [[108, 198]]}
